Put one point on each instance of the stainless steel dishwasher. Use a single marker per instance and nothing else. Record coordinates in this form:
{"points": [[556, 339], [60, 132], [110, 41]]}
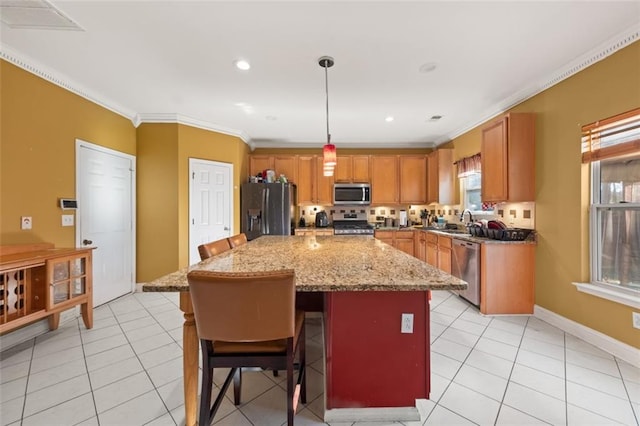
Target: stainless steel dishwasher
{"points": [[465, 264]]}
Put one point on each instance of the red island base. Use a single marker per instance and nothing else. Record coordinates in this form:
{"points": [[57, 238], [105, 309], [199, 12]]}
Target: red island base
{"points": [[370, 363]]}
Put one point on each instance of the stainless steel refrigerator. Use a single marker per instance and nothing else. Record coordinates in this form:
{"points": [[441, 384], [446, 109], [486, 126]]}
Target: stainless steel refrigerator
{"points": [[267, 209]]}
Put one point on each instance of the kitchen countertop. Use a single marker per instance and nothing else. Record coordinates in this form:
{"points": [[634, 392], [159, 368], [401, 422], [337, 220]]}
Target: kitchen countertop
{"points": [[342, 263], [466, 237]]}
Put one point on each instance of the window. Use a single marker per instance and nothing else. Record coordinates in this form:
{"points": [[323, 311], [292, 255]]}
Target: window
{"points": [[469, 170], [612, 147], [470, 185]]}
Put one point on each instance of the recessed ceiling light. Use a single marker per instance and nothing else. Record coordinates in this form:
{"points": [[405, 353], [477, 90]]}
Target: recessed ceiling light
{"points": [[427, 67], [241, 64], [388, 119]]}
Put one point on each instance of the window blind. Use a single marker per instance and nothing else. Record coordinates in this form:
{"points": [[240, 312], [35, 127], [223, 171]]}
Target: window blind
{"points": [[611, 137]]}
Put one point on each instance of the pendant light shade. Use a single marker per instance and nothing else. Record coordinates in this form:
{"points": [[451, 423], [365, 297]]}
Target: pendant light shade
{"points": [[329, 149]]}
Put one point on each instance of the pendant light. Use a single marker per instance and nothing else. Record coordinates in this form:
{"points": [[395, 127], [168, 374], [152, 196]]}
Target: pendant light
{"points": [[329, 149]]}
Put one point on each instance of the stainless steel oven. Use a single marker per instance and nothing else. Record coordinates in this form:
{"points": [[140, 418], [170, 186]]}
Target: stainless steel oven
{"points": [[351, 194], [351, 224]]}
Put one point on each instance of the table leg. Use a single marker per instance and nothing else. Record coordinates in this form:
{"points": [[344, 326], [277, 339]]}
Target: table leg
{"points": [[190, 359]]}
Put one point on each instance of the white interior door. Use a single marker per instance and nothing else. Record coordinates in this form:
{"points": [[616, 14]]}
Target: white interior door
{"points": [[210, 205], [106, 193]]}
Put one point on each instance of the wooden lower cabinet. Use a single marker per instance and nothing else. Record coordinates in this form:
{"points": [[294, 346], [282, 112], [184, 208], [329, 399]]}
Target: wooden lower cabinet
{"points": [[444, 253], [420, 245], [507, 278], [402, 240], [39, 281], [431, 248], [313, 232]]}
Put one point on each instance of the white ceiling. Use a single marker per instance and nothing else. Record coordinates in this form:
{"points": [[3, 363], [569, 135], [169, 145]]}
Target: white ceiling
{"points": [[173, 61]]}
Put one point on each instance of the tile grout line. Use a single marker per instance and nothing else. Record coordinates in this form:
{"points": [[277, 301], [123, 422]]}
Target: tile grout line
{"points": [[26, 386], [86, 366]]}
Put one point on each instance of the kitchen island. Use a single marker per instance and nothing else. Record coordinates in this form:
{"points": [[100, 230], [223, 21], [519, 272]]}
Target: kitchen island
{"points": [[367, 286]]}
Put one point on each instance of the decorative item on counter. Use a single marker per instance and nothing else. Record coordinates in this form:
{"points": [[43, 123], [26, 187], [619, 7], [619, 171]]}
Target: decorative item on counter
{"points": [[302, 223]]}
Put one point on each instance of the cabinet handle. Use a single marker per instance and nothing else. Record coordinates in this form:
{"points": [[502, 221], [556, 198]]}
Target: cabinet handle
{"points": [[87, 242]]}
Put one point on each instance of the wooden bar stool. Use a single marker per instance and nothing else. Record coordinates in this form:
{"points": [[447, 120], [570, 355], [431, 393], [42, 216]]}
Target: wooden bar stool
{"points": [[215, 247], [237, 240], [247, 320]]}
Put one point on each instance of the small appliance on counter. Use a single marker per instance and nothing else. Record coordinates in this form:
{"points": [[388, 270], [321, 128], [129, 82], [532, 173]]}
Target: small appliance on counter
{"points": [[322, 220], [403, 218]]}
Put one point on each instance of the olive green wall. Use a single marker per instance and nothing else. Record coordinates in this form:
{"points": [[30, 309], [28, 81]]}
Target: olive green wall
{"points": [[164, 151], [606, 88], [39, 124]]}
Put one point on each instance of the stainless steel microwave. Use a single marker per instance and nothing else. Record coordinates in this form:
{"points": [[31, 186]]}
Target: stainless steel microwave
{"points": [[351, 194]]}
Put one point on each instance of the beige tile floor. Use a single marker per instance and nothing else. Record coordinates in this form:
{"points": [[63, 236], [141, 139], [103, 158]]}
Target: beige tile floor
{"points": [[127, 370]]}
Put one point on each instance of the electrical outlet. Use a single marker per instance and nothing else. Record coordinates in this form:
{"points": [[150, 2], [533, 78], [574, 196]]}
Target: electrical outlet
{"points": [[67, 220], [636, 319], [407, 323], [26, 222]]}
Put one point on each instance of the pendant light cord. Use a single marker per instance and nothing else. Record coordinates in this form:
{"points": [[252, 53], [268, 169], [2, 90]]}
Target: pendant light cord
{"points": [[326, 89]]}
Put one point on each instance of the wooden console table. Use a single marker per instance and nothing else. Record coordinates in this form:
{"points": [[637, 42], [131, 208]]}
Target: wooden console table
{"points": [[39, 281]]}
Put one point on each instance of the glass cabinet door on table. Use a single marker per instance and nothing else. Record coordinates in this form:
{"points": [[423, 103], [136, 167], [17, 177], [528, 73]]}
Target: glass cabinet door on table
{"points": [[67, 277]]}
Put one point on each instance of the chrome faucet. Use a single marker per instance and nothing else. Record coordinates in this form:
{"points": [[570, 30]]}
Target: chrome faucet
{"points": [[462, 216]]}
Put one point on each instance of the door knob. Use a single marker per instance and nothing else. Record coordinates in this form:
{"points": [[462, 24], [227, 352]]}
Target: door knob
{"points": [[226, 228], [87, 242]]}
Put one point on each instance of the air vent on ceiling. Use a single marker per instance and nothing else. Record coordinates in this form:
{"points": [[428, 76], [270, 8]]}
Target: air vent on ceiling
{"points": [[34, 14], [435, 118]]}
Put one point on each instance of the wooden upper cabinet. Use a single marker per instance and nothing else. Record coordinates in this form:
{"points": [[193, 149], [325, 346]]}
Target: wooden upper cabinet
{"points": [[508, 159], [286, 165], [258, 163], [413, 179], [440, 180], [306, 179], [344, 169], [324, 184], [360, 169], [352, 169], [384, 179]]}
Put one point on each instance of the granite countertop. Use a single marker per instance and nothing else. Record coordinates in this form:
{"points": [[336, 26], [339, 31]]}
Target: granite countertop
{"points": [[481, 240], [330, 263]]}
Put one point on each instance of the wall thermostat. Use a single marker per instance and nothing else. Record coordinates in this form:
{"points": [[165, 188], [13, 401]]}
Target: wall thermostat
{"points": [[68, 204]]}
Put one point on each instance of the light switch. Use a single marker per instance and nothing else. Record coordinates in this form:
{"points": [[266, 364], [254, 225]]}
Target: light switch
{"points": [[67, 220]]}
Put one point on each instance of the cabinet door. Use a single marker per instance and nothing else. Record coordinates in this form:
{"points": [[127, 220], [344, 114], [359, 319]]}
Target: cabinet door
{"points": [[343, 170], [432, 254], [324, 184], [384, 179], [67, 278], [432, 178], [444, 253], [420, 246], [258, 163], [413, 179], [385, 236], [324, 232], [444, 259], [360, 169], [306, 180], [494, 162], [286, 165], [403, 243], [446, 180]]}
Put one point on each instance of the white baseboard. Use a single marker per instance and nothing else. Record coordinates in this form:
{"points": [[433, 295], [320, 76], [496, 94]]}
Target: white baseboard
{"points": [[36, 329], [606, 343]]}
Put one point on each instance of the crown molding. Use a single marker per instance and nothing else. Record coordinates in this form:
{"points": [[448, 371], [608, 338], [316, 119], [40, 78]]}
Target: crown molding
{"points": [[189, 121], [620, 41], [356, 145], [63, 81]]}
